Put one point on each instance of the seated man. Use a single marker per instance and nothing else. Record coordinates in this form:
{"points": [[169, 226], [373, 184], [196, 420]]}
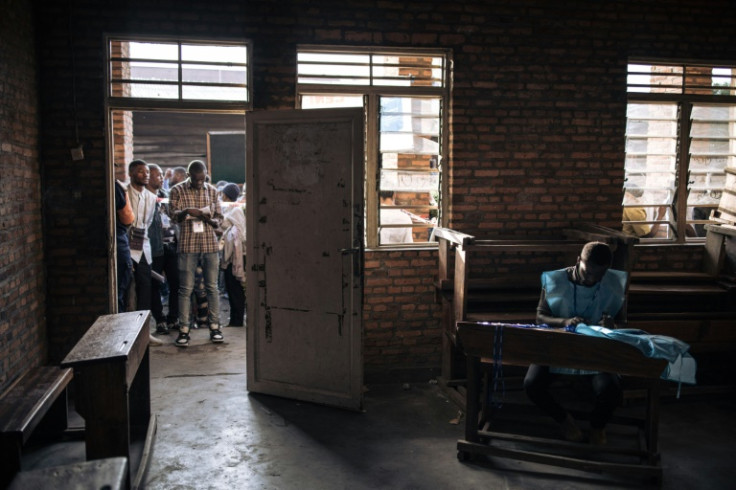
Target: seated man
{"points": [[587, 293]]}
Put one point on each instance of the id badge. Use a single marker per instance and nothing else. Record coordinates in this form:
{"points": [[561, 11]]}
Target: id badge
{"points": [[198, 227]]}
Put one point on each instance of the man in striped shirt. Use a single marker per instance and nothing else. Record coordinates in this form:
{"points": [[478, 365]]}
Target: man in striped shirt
{"points": [[195, 207]]}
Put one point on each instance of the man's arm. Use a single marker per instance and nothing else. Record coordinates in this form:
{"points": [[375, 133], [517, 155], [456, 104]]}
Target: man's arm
{"points": [[544, 315], [176, 211]]}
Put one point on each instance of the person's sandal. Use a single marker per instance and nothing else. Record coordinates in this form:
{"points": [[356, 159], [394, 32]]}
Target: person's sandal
{"points": [[182, 340], [216, 336]]}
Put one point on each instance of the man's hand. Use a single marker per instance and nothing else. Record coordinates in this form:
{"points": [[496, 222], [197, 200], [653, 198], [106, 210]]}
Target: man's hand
{"points": [[607, 321], [571, 322], [197, 213]]}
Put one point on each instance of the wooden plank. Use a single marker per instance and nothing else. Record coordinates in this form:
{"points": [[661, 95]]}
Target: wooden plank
{"points": [[455, 237], [108, 473], [631, 470], [28, 399], [39, 395], [524, 346], [526, 246], [110, 337]]}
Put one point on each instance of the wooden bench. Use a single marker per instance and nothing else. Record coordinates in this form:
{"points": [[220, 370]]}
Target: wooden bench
{"points": [[523, 346], [112, 380], [499, 279], [107, 474], [37, 400], [696, 307]]}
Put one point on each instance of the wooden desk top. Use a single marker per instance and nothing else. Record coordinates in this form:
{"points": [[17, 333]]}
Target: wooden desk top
{"points": [[112, 337], [548, 347]]}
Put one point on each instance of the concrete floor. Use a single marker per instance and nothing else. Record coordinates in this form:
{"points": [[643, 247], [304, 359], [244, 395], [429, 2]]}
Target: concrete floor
{"points": [[213, 434]]}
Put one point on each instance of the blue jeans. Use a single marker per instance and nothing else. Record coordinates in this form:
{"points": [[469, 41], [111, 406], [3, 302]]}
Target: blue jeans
{"points": [[210, 269]]}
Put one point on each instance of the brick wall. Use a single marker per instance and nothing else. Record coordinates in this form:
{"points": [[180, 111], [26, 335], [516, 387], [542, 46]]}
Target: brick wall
{"points": [[22, 288], [538, 119], [400, 315]]}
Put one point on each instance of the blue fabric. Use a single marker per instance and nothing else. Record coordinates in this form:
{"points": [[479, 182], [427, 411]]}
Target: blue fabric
{"points": [[567, 299], [681, 366]]}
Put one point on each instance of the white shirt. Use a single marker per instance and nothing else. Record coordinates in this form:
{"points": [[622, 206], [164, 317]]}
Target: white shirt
{"points": [[395, 235], [144, 205]]}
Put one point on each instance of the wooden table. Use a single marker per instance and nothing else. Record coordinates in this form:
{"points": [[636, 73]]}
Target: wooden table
{"points": [[524, 346], [112, 379]]}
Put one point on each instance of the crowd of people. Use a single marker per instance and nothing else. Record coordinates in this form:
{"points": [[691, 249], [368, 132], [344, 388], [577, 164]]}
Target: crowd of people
{"points": [[179, 236]]}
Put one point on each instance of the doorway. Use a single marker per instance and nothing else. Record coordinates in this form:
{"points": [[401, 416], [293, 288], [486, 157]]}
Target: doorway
{"points": [[172, 139]]}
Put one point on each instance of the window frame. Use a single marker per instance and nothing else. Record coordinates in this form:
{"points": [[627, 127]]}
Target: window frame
{"points": [[683, 97], [371, 104], [209, 105]]}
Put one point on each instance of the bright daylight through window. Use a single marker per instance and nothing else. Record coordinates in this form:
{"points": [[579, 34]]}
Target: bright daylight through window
{"points": [[680, 139], [181, 71], [405, 96]]}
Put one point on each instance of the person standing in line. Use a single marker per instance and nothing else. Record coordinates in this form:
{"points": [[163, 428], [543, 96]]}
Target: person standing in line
{"points": [[393, 216], [143, 203], [195, 207], [124, 218], [233, 260], [155, 234]]}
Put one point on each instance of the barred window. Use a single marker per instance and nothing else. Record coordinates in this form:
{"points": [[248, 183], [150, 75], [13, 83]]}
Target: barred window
{"points": [[180, 72], [680, 138], [405, 97]]}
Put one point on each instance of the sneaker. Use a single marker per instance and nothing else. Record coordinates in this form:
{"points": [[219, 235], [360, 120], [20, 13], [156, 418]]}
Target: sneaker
{"points": [[570, 430], [182, 340], [216, 335], [598, 437], [173, 326], [162, 328]]}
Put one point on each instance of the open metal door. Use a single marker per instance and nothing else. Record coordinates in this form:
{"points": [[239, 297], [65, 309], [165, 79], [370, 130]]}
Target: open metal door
{"points": [[305, 254]]}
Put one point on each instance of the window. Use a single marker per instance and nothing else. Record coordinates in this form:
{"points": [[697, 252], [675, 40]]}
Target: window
{"points": [[680, 137], [405, 96], [180, 73]]}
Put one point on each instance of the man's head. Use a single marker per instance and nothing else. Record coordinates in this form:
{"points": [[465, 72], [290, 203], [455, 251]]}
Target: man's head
{"points": [[230, 192], [634, 190], [386, 197], [179, 174], [138, 172], [197, 172], [593, 262], [156, 180]]}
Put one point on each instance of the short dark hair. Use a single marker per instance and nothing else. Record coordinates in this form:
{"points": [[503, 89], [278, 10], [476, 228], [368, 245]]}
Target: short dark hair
{"points": [[136, 163], [196, 166], [156, 166], [597, 253], [385, 194]]}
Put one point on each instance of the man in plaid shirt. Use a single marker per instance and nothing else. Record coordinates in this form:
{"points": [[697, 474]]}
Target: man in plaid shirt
{"points": [[195, 207]]}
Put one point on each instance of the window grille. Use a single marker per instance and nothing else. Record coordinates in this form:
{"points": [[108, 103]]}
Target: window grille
{"points": [[405, 96], [179, 71], [680, 138]]}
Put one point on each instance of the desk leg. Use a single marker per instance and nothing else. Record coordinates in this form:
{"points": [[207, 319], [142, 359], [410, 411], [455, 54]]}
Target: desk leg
{"points": [[652, 421], [472, 402], [102, 399], [140, 397]]}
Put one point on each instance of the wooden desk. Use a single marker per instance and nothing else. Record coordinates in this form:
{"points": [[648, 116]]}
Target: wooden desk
{"points": [[112, 376], [524, 346]]}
